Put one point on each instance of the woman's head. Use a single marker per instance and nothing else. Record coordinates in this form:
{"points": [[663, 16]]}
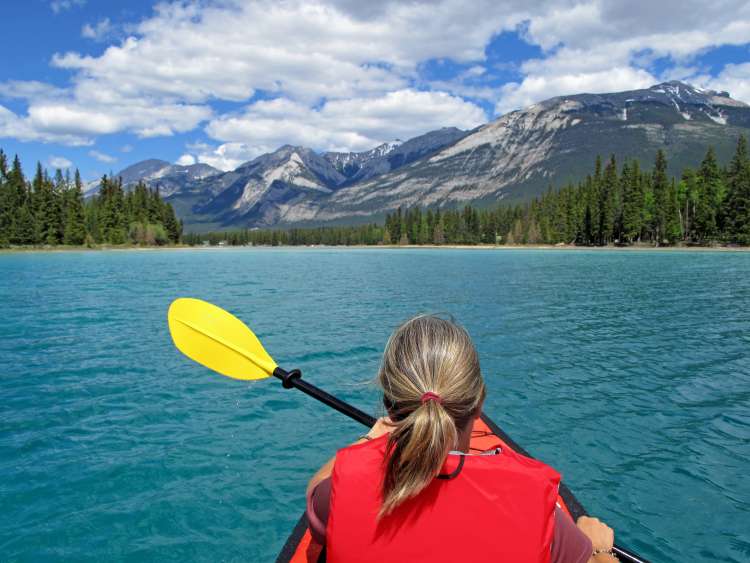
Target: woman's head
{"points": [[426, 354]]}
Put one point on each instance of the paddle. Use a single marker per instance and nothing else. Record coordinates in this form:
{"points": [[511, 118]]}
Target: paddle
{"points": [[221, 342]]}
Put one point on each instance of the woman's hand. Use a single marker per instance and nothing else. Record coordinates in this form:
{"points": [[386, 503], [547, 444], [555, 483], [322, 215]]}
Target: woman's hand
{"points": [[602, 536], [382, 426]]}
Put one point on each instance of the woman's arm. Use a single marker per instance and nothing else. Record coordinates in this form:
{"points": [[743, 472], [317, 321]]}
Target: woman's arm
{"points": [[322, 473], [602, 539]]}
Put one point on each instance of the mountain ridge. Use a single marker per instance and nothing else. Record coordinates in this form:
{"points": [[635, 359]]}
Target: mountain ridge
{"points": [[512, 158]]}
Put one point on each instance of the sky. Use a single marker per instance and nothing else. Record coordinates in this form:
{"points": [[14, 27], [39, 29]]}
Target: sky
{"points": [[101, 84]]}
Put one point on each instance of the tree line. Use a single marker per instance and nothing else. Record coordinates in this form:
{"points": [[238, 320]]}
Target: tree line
{"points": [[52, 211], [614, 204]]}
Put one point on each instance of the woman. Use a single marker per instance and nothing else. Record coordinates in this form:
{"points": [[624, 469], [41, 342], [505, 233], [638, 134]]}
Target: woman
{"points": [[409, 490]]}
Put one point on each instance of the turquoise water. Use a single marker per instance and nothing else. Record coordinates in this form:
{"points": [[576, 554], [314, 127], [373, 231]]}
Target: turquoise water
{"points": [[627, 371]]}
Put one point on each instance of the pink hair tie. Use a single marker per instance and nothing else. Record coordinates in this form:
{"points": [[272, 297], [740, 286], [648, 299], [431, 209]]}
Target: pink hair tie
{"points": [[430, 396]]}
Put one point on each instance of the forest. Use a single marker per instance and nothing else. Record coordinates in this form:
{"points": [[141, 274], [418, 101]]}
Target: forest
{"points": [[614, 205], [52, 211]]}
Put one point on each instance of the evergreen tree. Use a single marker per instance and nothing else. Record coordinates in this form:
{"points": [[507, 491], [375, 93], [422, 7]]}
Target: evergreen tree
{"points": [[710, 191], [6, 218], [172, 226], [737, 204], [688, 198], [606, 202], [438, 236], [24, 231], [672, 231], [18, 204], [660, 188], [75, 219], [46, 207], [632, 203]]}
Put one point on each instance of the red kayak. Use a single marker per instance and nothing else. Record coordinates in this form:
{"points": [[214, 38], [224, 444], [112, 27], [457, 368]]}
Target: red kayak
{"points": [[300, 547]]}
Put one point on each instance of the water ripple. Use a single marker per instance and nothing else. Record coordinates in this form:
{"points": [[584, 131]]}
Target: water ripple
{"points": [[628, 372]]}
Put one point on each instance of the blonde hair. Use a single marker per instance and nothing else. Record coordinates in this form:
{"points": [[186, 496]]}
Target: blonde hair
{"points": [[425, 354]]}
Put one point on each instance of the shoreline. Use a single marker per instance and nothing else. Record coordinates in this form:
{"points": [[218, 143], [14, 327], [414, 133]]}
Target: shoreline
{"points": [[563, 247]]}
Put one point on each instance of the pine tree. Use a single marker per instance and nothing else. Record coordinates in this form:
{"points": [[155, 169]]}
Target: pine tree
{"points": [[737, 203], [17, 199], [587, 237], [632, 203], [171, 224], [24, 232], [6, 218], [606, 202], [438, 236], [46, 207], [710, 193], [75, 220], [688, 196], [672, 231], [661, 197]]}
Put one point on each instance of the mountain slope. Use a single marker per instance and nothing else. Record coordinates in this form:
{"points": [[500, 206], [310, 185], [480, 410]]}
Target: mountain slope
{"points": [[171, 178], [271, 188], [351, 163], [262, 189], [550, 143], [512, 158], [358, 167]]}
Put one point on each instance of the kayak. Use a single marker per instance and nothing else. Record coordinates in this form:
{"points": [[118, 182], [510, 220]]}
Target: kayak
{"points": [[301, 548]]}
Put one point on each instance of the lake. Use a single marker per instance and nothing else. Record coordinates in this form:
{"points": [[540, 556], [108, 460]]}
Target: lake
{"points": [[629, 372]]}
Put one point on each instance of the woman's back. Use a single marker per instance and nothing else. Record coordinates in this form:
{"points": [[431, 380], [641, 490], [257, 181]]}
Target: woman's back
{"points": [[496, 507], [408, 492]]}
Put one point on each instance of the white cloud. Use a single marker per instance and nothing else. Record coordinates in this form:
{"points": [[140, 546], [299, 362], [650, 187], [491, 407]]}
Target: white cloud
{"points": [[353, 124], [226, 156], [188, 54], [64, 5], [126, 148], [735, 78], [15, 127], [542, 85], [100, 31], [604, 46], [186, 160], [59, 162], [102, 157], [326, 59], [29, 89]]}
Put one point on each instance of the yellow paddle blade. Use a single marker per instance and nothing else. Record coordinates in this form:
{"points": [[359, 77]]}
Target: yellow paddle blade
{"points": [[218, 340]]}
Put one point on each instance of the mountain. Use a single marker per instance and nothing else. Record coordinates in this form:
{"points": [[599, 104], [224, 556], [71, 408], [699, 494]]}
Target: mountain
{"points": [[512, 159], [271, 188], [519, 155], [351, 163], [360, 166], [267, 186], [170, 178]]}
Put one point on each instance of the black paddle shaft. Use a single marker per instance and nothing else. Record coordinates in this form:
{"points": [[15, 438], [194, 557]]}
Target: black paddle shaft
{"points": [[293, 378]]}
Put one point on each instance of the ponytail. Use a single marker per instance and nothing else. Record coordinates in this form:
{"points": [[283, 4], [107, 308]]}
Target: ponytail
{"points": [[432, 386]]}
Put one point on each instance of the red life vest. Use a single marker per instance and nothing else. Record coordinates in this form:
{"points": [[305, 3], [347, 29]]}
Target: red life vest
{"points": [[489, 508]]}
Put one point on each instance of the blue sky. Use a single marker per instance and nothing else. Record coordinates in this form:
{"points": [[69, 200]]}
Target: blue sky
{"points": [[101, 84]]}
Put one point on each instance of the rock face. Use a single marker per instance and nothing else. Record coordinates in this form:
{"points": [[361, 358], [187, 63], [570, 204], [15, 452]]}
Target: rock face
{"points": [[551, 143], [358, 167], [286, 186], [263, 190], [512, 158], [171, 178]]}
